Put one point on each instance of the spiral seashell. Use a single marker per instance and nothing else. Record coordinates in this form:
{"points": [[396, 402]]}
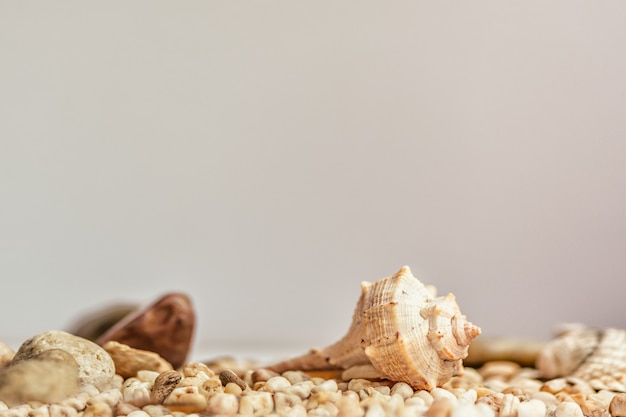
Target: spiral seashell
{"points": [[401, 328], [595, 356]]}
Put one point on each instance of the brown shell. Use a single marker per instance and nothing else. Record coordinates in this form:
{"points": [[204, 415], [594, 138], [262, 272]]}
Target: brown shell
{"points": [[403, 330]]}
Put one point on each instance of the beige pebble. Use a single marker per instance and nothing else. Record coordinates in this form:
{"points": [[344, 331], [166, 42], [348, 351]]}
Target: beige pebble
{"points": [[296, 376], [357, 385], [302, 389], [499, 369], [138, 413], [402, 389], [95, 365], [57, 410], [509, 405], [136, 392], [441, 407], [156, 410], [568, 409], [194, 368], [531, 408], [128, 361], [49, 376], [223, 403], [295, 411], [6, 355], [466, 410], [329, 385], [283, 401], [257, 403], [277, 384], [110, 397], [439, 393], [617, 406], [555, 385], [186, 399], [232, 388], [99, 409]]}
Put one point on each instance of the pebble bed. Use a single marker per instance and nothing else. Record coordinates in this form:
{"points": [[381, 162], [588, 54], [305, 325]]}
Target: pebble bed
{"points": [[498, 388]]}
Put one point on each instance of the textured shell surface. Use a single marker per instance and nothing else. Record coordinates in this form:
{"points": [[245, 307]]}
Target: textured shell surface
{"points": [[596, 356], [401, 328]]}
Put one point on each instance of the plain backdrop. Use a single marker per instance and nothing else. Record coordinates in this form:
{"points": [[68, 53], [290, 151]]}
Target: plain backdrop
{"points": [[266, 157]]}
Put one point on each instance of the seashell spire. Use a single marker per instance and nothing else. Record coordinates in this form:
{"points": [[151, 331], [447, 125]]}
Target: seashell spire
{"points": [[403, 330]]}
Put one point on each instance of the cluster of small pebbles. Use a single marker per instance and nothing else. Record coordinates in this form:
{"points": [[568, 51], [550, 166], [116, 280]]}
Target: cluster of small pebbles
{"points": [[57, 374]]}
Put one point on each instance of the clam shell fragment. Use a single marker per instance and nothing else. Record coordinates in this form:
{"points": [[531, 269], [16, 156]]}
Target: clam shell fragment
{"points": [[403, 330]]}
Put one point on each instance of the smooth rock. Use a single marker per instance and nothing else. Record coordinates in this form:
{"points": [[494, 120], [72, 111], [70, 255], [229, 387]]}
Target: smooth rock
{"points": [[128, 361], [95, 365], [165, 327], [6, 355], [47, 377]]}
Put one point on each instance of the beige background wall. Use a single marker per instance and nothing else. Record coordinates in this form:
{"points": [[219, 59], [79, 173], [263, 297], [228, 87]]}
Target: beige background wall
{"points": [[266, 157]]}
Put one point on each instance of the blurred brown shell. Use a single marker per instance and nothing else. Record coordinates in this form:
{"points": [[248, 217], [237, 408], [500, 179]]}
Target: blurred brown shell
{"points": [[165, 326], [596, 356], [401, 328]]}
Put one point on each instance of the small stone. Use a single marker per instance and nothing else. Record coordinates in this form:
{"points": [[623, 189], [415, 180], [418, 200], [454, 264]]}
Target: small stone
{"points": [[441, 407], [48, 377], [98, 409], [129, 361], [531, 408], [228, 376], [186, 399], [95, 366], [617, 406], [257, 403], [6, 355], [163, 386], [165, 327], [262, 375], [223, 404], [568, 409]]}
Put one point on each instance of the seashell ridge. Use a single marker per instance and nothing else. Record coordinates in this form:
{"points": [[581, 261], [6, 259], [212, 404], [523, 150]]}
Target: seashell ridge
{"points": [[403, 330]]}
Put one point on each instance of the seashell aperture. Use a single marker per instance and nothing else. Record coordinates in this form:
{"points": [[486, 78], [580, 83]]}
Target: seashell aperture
{"points": [[403, 330], [595, 356]]}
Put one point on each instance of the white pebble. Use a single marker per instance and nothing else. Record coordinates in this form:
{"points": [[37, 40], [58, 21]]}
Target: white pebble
{"points": [[318, 412], [485, 410], [468, 397], [57, 410], [301, 389], [375, 410], [277, 384], [136, 392], [258, 403], [568, 409], [329, 385], [221, 403], [295, 411], [111, 397], [465, 410], [509, 406], [424, 395], [358, 384], [138, 413], [438, 393], [403, 389], [147, 376], [531, 408]]}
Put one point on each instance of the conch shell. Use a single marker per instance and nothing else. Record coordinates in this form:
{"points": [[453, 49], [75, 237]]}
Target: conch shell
{"points": [[595, 356], [403, 330]]}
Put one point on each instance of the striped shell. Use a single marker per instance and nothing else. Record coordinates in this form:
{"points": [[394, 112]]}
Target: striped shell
{"points": [[595, 356], [401, 329]]}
